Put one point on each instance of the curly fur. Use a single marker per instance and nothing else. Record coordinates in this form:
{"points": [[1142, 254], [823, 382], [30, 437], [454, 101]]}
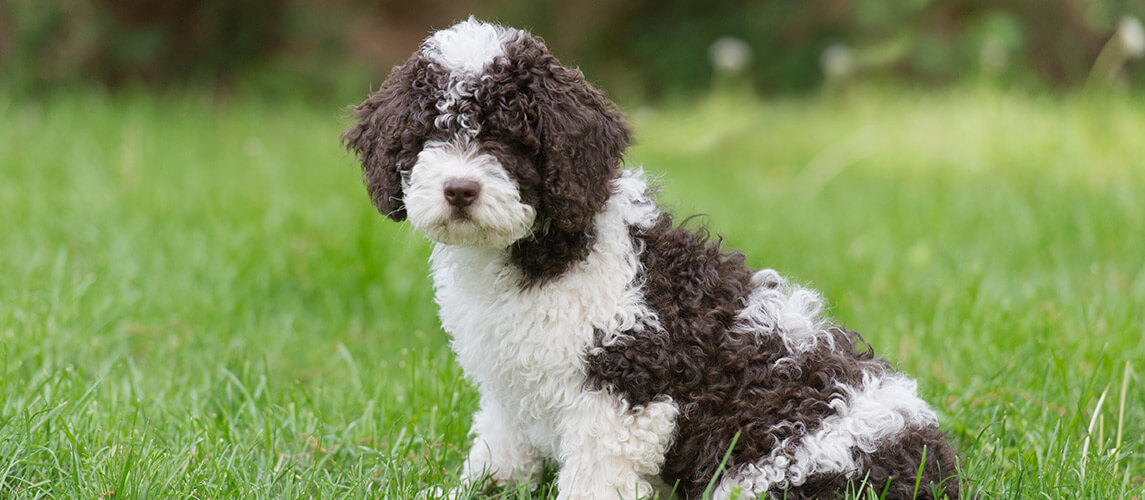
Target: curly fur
{"points": [[628, 350]]}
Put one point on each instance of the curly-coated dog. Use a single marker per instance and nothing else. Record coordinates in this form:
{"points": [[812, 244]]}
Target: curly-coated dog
{"points": [[628, 351]]}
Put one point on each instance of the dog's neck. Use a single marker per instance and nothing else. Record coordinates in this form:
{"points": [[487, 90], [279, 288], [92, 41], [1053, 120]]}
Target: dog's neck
{"points": [[531, 262], [549, 253]]}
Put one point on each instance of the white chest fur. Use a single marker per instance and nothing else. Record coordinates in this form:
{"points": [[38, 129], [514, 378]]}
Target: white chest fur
{"points": [[525, 346]]}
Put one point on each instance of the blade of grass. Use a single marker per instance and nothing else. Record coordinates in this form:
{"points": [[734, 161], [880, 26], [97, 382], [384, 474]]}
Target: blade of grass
{"points": [[1089, 431], [720, 470]]}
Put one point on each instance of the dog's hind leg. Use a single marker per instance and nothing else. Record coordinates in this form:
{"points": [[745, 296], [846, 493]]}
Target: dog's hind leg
{"points": [[609, 450], [500, 451]]}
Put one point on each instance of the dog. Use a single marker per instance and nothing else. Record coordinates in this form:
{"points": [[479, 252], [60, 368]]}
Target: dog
{"points": [[635, 354]]}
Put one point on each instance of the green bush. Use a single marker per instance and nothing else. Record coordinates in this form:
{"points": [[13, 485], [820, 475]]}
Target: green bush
{"points": [[122, 43], [649, 48]]}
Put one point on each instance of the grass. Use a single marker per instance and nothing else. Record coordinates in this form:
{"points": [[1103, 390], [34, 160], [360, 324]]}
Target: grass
{"points": [[197, 300]]}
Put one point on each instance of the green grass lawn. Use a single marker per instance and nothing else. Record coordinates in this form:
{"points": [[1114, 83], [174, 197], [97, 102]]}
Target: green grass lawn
{"points": [[198, 301]]}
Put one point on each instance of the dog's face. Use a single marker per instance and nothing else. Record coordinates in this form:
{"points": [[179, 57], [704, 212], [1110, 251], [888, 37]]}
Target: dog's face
{"points": [[482, 138]]}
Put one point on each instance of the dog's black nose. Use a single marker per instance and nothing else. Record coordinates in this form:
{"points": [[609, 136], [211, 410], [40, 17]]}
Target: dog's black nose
{"points": [[461, 192]]}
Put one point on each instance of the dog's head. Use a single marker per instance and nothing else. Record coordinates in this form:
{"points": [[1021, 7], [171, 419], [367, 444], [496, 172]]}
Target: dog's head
{"points": [[482, 137]]}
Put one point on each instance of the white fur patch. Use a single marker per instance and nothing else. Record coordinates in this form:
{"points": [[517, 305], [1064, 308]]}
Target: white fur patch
{"points": [[790, 311], [497, 444], [495, 219], [629, 193], [465, 48], [883, 408]]}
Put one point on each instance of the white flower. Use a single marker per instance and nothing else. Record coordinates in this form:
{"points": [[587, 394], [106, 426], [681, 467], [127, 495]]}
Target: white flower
{"points": [[1132, 36], [837, 61], [729, 55]]}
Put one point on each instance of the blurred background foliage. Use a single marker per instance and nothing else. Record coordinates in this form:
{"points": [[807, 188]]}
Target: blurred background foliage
{"points": [[638, 49]]}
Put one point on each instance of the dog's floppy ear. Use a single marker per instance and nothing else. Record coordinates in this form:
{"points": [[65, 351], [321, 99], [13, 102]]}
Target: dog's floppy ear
{"points": [[582, 140], [391, 128]]}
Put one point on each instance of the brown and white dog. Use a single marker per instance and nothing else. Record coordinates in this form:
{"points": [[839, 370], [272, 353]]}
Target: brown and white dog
{"points": [[628, 351]]}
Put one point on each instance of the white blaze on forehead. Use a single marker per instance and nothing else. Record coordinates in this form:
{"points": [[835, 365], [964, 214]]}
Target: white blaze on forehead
{"points": [[467, 47]]}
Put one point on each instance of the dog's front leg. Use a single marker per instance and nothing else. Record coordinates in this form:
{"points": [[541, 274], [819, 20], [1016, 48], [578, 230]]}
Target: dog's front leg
{"points": [[500, 451], [610, 451]]}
